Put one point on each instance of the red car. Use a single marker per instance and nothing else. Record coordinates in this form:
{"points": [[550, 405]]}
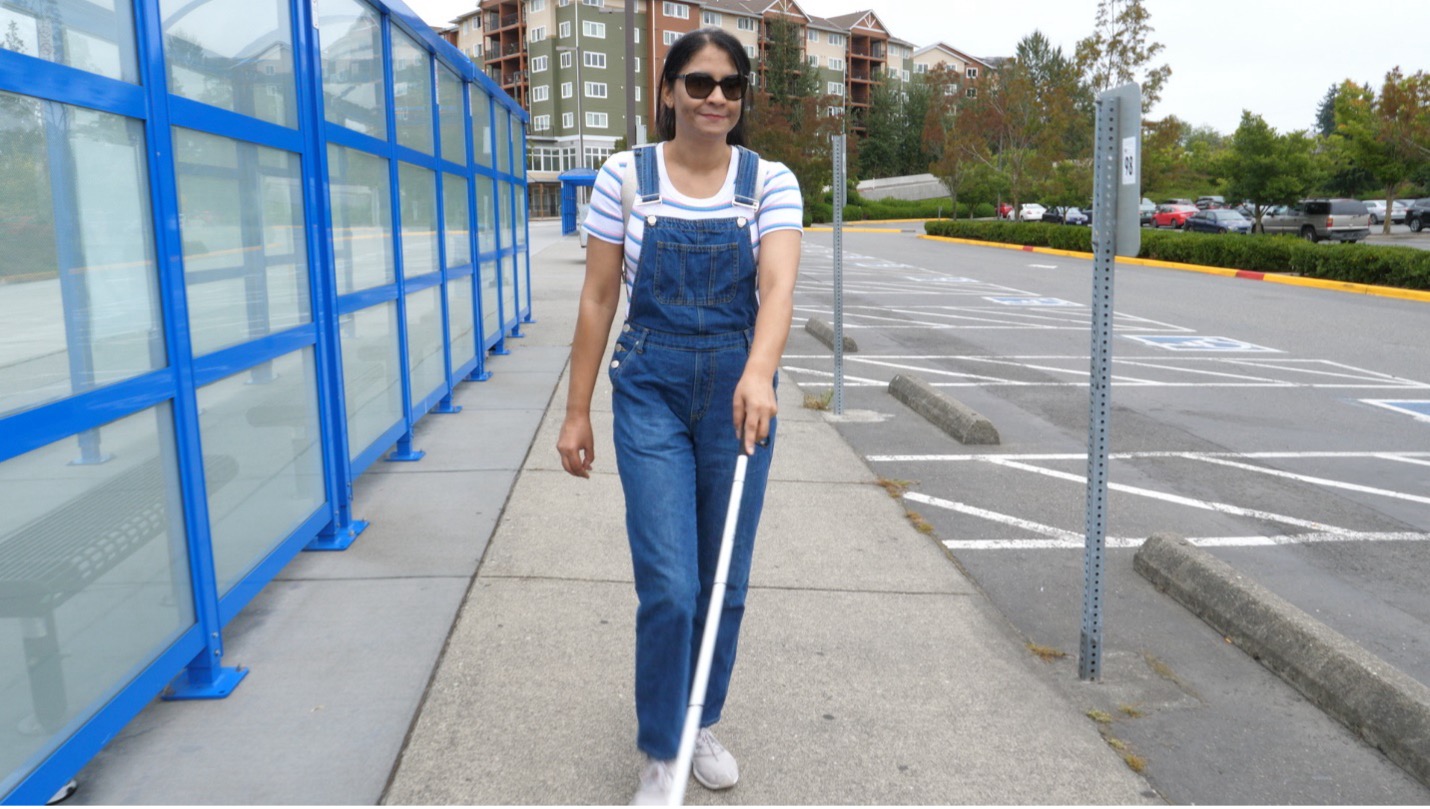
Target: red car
{"points": [[1172, 216]]}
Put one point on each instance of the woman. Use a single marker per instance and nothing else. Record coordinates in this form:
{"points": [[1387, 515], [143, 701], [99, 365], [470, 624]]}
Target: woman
{"points": [[708, 257]]}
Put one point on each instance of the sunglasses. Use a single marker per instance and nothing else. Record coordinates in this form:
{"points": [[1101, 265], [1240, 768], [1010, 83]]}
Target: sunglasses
{"points": [[701, 85]]}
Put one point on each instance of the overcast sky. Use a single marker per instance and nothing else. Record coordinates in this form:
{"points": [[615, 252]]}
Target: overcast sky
{"points": [[1274, 57]]}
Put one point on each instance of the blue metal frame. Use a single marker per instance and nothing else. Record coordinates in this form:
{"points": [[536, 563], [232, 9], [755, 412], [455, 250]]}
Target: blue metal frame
{"points": [[189, 666]]}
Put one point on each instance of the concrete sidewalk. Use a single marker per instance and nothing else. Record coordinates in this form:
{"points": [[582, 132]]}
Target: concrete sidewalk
{"points": [[451, 657]]}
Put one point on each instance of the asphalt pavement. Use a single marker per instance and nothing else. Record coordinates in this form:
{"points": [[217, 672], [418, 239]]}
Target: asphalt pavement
{"points": [[475, 645]]}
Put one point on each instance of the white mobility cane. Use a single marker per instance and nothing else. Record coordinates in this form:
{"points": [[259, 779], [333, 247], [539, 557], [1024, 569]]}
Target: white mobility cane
{"points": [[707, 642]]}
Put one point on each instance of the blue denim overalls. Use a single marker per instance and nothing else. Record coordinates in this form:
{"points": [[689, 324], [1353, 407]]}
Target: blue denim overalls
{"points": [[673, 374]]}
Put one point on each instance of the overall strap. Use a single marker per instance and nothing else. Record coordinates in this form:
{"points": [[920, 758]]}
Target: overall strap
{"points": [[647, 174], [747, 179]]}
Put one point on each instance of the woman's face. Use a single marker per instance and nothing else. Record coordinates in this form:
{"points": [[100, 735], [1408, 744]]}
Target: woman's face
{"points": [[711, 117]]}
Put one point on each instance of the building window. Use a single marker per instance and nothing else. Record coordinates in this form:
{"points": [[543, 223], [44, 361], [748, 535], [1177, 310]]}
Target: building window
{"points": [[835, 88], [593, 59], [905, 75], [836, 39], [835, 112], [670, 37], [536, 5], [565, 89], [541, 92], [595, 89], [593, 29], [921, 69], [752, 52], [540, 123], [568, 120], [638, 92], [679, 11], [538, 34], [566, 58], [971, 92], [638, 36], [564, 29], [745, 24], [597, 120], [971, 73], [563, 3], [836, 63], [711, 18], [539, 64], [814, 60], [638, 64], [596, 3]]}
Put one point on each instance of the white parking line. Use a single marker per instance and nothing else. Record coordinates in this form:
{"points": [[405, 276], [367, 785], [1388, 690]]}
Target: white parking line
{"points": [[1207, 505], [1007, 519], [1333, 484], [1080, 542]]}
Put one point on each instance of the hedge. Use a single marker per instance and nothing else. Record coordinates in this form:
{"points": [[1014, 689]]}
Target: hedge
{"points": [[1404, 267], [860, 209]]}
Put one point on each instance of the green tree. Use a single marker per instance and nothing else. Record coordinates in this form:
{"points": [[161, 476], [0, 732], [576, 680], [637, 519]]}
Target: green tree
{"points": [[1267, 168], [1387, 136], [879, 148], [1326, 112], [1119, 51], [785, 74], [1068, 107]]}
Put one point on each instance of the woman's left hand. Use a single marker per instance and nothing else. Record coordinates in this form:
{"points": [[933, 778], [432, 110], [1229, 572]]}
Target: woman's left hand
{"points": [[755, 408]]}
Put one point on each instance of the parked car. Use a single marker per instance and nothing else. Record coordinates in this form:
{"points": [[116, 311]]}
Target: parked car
{"points": [[1342, 220], [1208, 202], [1173, 215], [1377, 211], [1005, 211], [1218, 220], [1031, 212], [1065, 215], [1145, 209], [1417, 216]]}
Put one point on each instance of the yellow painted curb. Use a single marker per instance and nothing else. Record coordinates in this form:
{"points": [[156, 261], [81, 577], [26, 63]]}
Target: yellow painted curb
{"points": [[1275, 278], [854, 228]]}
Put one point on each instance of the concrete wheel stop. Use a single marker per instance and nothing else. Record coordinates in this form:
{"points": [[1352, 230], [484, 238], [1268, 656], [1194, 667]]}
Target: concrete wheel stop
{"points": [[824, 333], [962, 422]]}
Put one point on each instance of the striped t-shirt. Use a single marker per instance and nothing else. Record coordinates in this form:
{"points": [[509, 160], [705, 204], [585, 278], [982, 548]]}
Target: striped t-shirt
{"points": [[781, 205]]}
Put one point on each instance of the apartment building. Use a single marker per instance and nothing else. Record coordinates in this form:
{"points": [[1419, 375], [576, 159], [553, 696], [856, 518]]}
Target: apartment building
{"points": [[970, 68], [565, 62]]}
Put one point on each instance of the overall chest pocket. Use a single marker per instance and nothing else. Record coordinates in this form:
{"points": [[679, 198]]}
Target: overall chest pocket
{"points": [[696, 274]]}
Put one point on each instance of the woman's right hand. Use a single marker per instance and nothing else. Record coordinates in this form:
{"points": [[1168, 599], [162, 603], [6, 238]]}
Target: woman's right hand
{"points": [[577, 444]]}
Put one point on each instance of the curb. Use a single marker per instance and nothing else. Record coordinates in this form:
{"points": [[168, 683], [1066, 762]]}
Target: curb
{"points": [[1382, 704], [824, 333], [1250, 275], [949, 415]]}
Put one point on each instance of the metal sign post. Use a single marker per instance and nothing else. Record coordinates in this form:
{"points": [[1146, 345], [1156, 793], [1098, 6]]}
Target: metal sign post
{"points": [[839, 196], [1115, 231]]}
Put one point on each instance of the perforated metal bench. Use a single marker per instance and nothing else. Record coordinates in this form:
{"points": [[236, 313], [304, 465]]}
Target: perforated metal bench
{"points": [[49, 560]]}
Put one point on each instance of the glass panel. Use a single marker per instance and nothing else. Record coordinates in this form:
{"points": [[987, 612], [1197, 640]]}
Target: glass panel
{"points": [[80, 301], [372, 378], [512, 301], [452, 115], [354, 90], [521, 212], [491, 299], [486, 215], [461, 323], [481, 125], [419, 219], [503, 138], [359, 187], [92, 35], [246, 68], [424, 342], [266, 421], [458, 224], [94, 577], [412, 92], [245, 255]]}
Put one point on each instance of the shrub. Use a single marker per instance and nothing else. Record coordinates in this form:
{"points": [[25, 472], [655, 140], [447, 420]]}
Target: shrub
{"points": [[984, 210], [1404, 267]]}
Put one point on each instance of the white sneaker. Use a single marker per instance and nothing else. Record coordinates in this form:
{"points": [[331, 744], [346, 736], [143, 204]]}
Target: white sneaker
{"points": [[712, 765], [657, 781]]}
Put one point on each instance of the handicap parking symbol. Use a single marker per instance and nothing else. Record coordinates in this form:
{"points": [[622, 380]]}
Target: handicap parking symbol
{"points": [[1027, 301], [1418, 409], [1197, 342]]}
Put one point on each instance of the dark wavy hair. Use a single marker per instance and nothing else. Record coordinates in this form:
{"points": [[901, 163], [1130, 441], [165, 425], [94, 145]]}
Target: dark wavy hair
{"points": [[680, 55]]}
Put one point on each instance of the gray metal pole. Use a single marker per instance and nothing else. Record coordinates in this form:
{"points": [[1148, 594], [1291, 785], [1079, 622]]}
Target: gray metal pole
{"points": [[1106, 165], [839, 183], [630, 74]]}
